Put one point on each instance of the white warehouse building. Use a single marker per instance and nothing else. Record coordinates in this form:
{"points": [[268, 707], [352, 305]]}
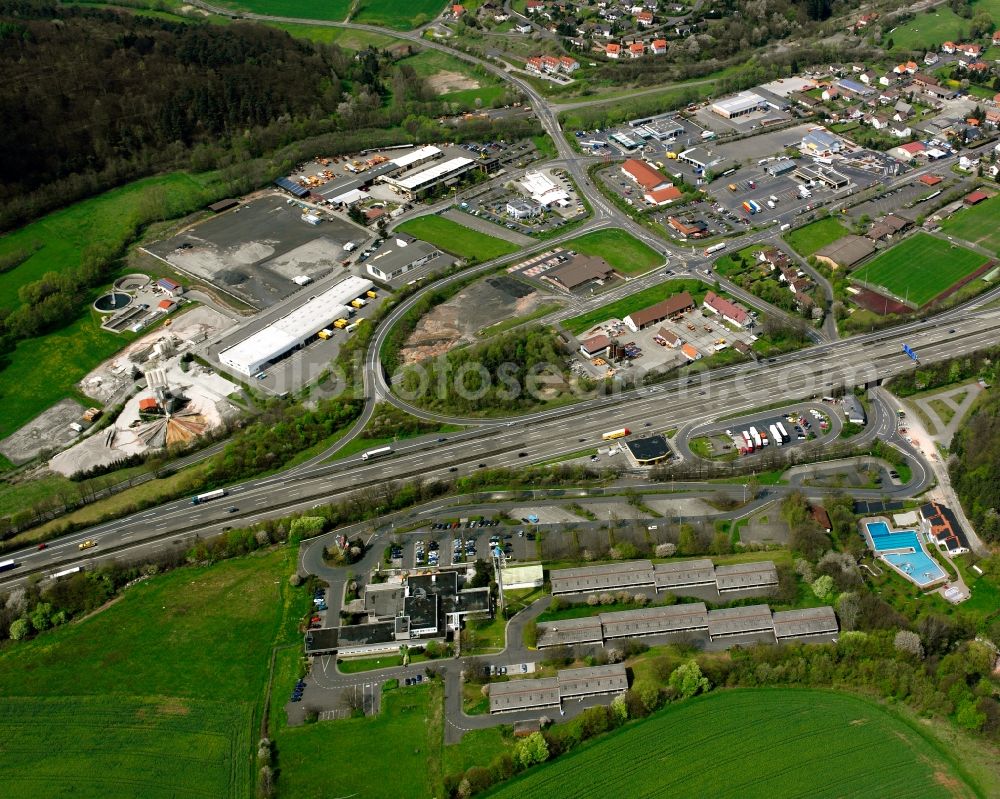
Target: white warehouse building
{"points": [[294, 328], [739, 105]]}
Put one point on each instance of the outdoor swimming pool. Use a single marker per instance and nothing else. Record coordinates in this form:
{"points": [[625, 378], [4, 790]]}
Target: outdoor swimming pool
{"points": [[904, 550]]}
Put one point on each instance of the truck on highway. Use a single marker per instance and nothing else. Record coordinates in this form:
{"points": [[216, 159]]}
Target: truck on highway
{"points": [[776, 436], [375, 453], [783, 432], [7, 565], [208, 496], [611, 435], [66, 573], [715, 248]]}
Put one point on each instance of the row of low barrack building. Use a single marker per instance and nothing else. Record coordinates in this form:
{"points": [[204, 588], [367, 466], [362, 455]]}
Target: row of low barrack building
{"points": [[677, 576], [550, 692], [692, 617]]}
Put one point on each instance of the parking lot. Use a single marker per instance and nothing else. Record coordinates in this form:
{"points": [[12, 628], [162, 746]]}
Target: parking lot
{"points": [[255, 251], [454, 542], [801, 424]]}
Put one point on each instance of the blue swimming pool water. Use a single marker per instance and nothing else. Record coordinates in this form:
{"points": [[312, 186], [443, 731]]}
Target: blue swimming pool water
{"points": [[912, 561]]}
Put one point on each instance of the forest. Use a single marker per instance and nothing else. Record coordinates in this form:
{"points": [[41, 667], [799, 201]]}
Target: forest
{"points": [[975, 467], [93, 98], [520, 370]]}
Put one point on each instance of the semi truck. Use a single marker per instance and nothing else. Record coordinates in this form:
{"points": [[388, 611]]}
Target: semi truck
{"points": [[375, 453], [783, 432], [748, 440], [611, 435], [208, 496], [757, 441], [715, 248], [66, 573], [7, 565], [325, 333], [359, 303], [776, 436], [754, 207]]}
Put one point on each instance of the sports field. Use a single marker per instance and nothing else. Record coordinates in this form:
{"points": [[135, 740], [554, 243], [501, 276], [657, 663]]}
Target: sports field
{"points": [[919, 268], [457, 239], [155, 696], [634, 302], [755, 743], [806, 240], [977, 224], [623, 251], [397, 14]]}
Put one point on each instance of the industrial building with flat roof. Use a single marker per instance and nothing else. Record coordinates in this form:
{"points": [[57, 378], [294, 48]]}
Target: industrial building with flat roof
{"points": [[606, 577], [535, 694], [418, 183], [293, 329], [739, 105], [643, 174], [400, 255]]}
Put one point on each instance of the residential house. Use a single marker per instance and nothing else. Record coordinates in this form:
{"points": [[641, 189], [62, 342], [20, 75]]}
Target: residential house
{"points": [[523, 27], [878, 121], [996, 39], [636, 49], [613, 50], [830, 93], [868, 78], [930, 59], [900, 130], [970, 50], [658, 47], [644, 18], [948, 48], [731, 312], [534, 6], [903, 111], [534, 64]]}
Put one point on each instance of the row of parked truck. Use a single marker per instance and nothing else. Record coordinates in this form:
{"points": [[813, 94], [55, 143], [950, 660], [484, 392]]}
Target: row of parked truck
{"points": [[751, 440]]}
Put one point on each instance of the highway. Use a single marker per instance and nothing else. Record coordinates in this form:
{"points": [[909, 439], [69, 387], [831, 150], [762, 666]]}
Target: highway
{"points": [[541, 436]]}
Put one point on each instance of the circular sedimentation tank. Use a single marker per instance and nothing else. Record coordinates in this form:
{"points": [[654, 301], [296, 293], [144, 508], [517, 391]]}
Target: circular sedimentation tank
{"points": [[112, 301]]}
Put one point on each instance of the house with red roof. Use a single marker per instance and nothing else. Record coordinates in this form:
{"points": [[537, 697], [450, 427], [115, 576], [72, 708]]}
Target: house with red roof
{"points": [[613, 50], [948, 47], [567, 64], [658, 47], [970, 50], [457, 10], [636, 49], [644, 18], [730, 311]]}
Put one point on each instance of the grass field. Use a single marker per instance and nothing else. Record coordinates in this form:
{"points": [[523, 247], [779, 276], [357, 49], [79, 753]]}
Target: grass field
{"points": [[395, 14], [806, 240], [623, 251], [107, 218], [157, 694], [342, 37], [642, 299], [457, 239], [305, 9], [397, 753], [756, 743], [919, 268], [977, 224]]}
